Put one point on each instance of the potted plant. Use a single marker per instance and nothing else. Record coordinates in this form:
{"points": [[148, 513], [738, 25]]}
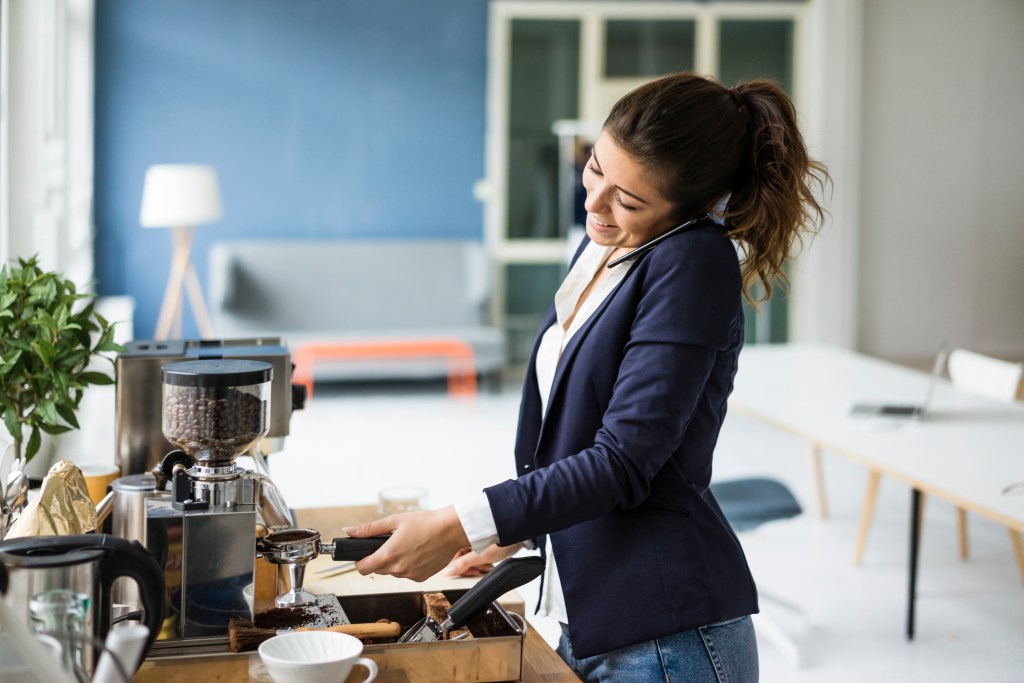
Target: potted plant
{"points": [[49, 334]]}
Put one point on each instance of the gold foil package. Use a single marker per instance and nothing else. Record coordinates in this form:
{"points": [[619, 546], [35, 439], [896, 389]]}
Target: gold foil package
{"points": [[63, 506]]}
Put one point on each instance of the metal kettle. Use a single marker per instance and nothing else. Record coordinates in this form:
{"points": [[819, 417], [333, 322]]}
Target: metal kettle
{"points": [[43, 570]]}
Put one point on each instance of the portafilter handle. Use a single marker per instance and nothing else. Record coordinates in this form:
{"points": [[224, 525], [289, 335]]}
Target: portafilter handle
{"points": [[348, 548]]}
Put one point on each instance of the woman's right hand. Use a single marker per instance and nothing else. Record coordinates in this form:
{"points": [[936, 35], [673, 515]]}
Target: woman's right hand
{"points": [[468, 563]]}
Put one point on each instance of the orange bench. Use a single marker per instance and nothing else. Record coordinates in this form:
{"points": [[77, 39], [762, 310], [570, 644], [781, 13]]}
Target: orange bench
{"points": [[461, 360]]}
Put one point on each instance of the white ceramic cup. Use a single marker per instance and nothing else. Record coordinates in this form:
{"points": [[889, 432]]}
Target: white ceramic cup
{"points": [[314, 657], [247, 595], [398, 499]]}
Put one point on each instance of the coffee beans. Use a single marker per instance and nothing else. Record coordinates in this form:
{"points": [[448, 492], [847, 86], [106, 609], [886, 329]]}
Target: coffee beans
{"points": [[213, 423]]}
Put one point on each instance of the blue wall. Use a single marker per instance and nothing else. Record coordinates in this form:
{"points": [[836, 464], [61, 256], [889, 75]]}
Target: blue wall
{"points": [[324, 118]]}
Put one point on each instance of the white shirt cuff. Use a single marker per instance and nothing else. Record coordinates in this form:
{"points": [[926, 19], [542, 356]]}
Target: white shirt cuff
{"points": [[477, 521]]}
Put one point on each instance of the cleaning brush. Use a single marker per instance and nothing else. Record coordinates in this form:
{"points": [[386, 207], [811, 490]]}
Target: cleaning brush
{"points": [[243, 636]]}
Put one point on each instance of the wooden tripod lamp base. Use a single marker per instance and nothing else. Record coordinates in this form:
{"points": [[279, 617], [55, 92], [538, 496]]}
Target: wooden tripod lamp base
{"points": [[183, 195], [182, 277]]}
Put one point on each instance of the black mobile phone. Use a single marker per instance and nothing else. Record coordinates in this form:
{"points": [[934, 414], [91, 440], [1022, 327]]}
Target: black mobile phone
{"points": [[643, 248]]}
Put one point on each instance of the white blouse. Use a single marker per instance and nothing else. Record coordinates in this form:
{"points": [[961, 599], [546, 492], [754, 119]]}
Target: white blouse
{"points": [[475, 513]]}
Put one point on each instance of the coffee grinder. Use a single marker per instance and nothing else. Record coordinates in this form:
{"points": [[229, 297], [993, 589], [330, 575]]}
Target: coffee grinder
{"points": [[203, 531]]}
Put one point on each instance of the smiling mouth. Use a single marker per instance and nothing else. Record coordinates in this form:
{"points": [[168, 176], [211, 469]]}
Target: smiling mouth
{"points": [[599, 224]]}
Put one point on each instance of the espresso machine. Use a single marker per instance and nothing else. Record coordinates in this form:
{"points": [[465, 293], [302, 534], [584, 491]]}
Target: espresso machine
{"points": [[202, 523]]}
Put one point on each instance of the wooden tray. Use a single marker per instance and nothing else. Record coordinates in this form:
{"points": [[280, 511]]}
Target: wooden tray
{"points": [[494, 653]]}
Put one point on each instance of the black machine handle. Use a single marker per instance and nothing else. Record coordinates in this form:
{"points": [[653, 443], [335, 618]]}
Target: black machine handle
{"points": [[506, 576], [120, 558], [348, 548]]}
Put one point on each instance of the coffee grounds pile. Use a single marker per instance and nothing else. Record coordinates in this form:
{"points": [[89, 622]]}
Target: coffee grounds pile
{"points": [[287, 617], [213, 423]]}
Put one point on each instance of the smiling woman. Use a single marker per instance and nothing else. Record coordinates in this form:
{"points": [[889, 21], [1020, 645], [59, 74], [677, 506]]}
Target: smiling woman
{"points": [[627, 389], [625, 207]]}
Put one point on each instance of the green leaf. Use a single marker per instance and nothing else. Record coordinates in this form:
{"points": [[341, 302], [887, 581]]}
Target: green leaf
{"points": [[96, 378], [54, 429], [12, 424], [48, 411], [68, 414], [111, 346], [33, 444]]}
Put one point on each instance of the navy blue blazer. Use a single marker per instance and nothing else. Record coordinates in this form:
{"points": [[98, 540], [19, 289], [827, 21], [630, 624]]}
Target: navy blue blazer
{"points": [[618, 471]]}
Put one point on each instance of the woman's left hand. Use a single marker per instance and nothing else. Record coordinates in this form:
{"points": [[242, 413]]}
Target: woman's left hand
{"points": [[421, 543]]}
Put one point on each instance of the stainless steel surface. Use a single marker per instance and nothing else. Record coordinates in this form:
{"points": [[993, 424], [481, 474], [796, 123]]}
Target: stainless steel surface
{"points": [[204, 526], [273, 511], [80, 577], [341, 568], [331, 611], [104, 508], [210, 558], [222, 486], [293, 548], [60, 613], [425, 630], [140, 443], [13, 487], [128, 520]]}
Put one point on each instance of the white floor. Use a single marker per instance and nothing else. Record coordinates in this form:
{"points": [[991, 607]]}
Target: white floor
{"points": [[348, 444]]}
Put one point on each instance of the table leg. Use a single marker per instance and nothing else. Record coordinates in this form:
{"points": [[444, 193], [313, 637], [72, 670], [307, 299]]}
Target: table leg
{"points": [[915, 539]]}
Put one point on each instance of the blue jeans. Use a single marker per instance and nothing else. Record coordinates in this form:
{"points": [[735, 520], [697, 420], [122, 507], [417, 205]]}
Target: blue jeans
{"points": [[719, 653]]}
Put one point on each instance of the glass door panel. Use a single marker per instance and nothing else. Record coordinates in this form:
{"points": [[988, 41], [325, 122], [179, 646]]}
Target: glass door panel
{"points": [[543, 88], [752, 48], [529, 291], [648, 48]]}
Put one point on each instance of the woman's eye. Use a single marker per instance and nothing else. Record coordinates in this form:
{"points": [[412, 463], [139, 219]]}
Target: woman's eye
{"points": [[593, 169], [627, 207]]}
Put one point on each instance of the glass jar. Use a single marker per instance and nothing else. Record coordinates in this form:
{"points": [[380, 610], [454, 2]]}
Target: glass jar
{"points": [[215, 410]]}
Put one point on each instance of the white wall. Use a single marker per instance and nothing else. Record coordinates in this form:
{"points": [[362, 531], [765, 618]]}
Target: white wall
{"points": [[942, 177]]}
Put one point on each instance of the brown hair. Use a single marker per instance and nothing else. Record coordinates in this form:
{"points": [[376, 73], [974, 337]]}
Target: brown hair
{"points": [[702, 141]]}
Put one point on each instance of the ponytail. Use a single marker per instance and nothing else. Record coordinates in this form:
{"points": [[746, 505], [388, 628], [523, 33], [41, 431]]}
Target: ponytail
{"points": [[704, 142], [773, 201]]}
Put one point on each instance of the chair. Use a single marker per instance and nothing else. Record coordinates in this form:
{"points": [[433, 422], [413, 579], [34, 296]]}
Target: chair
{"points": [[996, 379], [747, 503], [976, 374]]}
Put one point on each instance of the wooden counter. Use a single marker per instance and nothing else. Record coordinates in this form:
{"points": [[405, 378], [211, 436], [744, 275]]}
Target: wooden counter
{"points": [[540, 663]]}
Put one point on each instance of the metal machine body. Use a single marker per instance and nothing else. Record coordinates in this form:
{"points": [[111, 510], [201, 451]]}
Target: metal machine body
{"points": [[201, 521], [208, 554]]}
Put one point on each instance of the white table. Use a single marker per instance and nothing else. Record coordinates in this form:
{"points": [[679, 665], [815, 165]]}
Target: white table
{"points": [[967, 450]]}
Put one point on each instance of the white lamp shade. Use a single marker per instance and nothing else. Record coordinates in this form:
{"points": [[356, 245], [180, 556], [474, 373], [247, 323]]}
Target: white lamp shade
{"points": [[179, 195]]}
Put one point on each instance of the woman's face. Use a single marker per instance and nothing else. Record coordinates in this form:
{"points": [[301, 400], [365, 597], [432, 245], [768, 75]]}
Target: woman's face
{"points": [[624, 208]]}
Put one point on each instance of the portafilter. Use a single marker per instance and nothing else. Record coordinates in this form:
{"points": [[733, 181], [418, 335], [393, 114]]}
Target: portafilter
{"points": [[295, 548]]}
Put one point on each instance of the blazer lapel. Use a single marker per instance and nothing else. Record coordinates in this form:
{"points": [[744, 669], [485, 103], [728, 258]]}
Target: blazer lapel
{"points": [[569, 353]]}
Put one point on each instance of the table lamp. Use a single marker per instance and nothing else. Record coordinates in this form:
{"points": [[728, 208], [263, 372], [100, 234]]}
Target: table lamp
{"points": [[181, 196]]}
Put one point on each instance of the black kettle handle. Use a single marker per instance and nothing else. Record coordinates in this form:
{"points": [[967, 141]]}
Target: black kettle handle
{"points": [[130, 559]]}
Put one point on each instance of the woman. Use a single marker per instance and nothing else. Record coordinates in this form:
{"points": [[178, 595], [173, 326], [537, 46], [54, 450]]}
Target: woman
{"points": [[627, 385]]}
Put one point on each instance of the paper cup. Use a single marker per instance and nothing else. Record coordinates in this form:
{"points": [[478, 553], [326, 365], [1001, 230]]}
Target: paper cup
{"points": [[98, 478]]}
